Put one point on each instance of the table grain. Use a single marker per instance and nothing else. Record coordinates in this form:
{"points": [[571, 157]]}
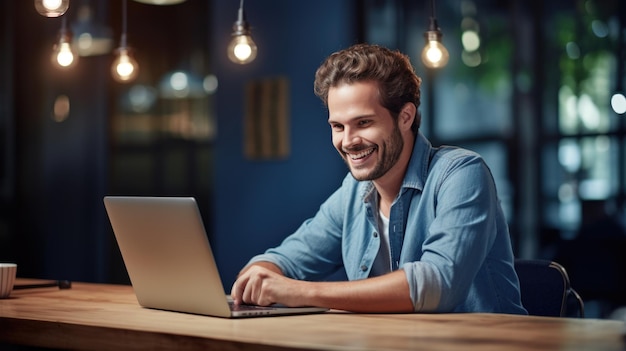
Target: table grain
{"points": [[107, 317]]}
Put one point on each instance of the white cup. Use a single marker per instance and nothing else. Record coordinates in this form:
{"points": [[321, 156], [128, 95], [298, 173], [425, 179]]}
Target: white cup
{"points": [[8, 271]]}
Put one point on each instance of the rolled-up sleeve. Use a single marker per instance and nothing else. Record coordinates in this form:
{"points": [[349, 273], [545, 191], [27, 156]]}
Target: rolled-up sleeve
{"points": [[424, 285]]}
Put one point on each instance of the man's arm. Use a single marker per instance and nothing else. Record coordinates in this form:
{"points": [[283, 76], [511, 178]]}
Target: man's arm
{"points": [[262, 283]]}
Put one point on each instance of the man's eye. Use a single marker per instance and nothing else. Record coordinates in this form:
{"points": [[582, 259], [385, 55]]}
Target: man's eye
{"points": [[337, 127], [364, 122]]}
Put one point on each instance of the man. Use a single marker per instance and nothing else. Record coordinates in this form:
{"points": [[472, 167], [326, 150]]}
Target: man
{"points": [[416, 228]]}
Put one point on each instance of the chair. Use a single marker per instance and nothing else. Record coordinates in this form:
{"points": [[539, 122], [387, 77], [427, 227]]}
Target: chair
{"points": [[546, 290]]}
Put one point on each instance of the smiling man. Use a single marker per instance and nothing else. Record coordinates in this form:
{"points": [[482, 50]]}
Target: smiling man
{"points": [[416, 228]]}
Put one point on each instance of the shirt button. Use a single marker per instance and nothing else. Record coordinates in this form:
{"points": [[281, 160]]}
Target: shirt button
{"points": [[363, 268], [375, 234]]}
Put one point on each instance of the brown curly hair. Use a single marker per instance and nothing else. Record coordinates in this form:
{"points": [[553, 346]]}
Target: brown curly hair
{"points": [[391, 70]]}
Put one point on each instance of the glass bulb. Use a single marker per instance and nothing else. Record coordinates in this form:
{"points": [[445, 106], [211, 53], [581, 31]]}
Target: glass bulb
{"points": [[242, 49], [125, 67], [434, 54], [63, 55], [52, 8]]}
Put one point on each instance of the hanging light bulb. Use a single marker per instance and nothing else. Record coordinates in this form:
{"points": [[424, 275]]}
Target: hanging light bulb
{"points": [[125, 68], [52, 8], [242, 48], [434, 54], [63, 54]]}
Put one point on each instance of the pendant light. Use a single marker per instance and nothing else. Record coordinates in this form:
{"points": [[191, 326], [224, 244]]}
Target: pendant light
{"points": [[52, 8], [63, 55], [434, 55], [242, 48], [125, 68]]}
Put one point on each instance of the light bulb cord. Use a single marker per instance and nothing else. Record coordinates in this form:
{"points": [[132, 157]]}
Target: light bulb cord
{"points": [[241, 14], [124, 23], [432, 22], [63, 26], [241, 26]]}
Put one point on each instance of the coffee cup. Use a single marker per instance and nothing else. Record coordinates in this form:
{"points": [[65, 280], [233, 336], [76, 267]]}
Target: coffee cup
{"points": [[8, 271]]}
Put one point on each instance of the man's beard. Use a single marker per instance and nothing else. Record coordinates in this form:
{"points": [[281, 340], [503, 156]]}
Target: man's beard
{"points": [[389, 153]]}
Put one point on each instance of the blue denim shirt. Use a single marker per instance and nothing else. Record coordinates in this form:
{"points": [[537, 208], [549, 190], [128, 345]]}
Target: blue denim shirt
{"points": [[447, 232]]}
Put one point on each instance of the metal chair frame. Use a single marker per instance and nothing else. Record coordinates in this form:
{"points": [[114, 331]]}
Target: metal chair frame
{"points": [[529, 271]]}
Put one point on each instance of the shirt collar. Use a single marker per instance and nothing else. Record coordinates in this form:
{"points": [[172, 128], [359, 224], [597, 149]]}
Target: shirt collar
{"points": [[417, 171]]}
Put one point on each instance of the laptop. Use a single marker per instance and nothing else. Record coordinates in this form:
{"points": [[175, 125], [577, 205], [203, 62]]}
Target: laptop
{"points": [[169, 259]]}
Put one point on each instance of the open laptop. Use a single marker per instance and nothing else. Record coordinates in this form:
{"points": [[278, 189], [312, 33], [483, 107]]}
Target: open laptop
{"points": [[169, 259]]}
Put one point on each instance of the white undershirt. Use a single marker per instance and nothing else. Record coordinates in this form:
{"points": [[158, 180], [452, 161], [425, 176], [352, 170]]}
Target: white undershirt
{"points": [[426, 292], [382, 263]]}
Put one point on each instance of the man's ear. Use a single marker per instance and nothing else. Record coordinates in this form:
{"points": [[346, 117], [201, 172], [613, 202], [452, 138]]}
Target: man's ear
{"points": [[406, 116]]}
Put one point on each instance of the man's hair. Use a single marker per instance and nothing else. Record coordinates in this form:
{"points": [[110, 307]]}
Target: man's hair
{"points": [[390, 70]]}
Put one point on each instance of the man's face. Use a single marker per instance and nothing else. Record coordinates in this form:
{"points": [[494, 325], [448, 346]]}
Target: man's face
{"points": [[364, 132]]}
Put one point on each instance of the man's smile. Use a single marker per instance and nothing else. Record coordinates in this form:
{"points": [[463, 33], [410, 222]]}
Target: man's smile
{"points": [[361, 154]]}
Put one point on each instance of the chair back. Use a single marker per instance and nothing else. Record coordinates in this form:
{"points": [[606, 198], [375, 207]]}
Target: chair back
{"points": [[545, 289]]}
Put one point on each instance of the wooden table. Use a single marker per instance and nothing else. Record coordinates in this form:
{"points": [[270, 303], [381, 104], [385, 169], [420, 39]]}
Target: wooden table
{"points": [[108, 317]]}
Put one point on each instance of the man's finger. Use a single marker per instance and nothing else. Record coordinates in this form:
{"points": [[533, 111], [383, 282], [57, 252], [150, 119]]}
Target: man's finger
{"points": [[238, 288]]}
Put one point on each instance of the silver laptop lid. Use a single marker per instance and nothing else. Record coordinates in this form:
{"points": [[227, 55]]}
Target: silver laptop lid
{"points": [[167, 254]]}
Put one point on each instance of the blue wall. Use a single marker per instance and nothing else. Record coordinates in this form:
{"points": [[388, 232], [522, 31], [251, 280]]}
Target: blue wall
{"points": [[258, 203]]}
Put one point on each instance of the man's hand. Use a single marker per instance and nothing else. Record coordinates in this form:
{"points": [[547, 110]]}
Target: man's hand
{"points": [[261, 285]]}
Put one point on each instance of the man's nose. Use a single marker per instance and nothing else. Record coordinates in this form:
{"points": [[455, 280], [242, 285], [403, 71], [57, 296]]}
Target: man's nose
{"points": [[350, 138]]}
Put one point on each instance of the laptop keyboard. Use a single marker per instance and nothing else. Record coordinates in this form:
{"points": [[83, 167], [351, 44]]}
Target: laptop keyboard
{"points": [[234, 307]]}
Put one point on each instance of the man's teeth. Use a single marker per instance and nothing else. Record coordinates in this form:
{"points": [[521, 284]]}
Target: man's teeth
{"points": [[361, 154]]}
